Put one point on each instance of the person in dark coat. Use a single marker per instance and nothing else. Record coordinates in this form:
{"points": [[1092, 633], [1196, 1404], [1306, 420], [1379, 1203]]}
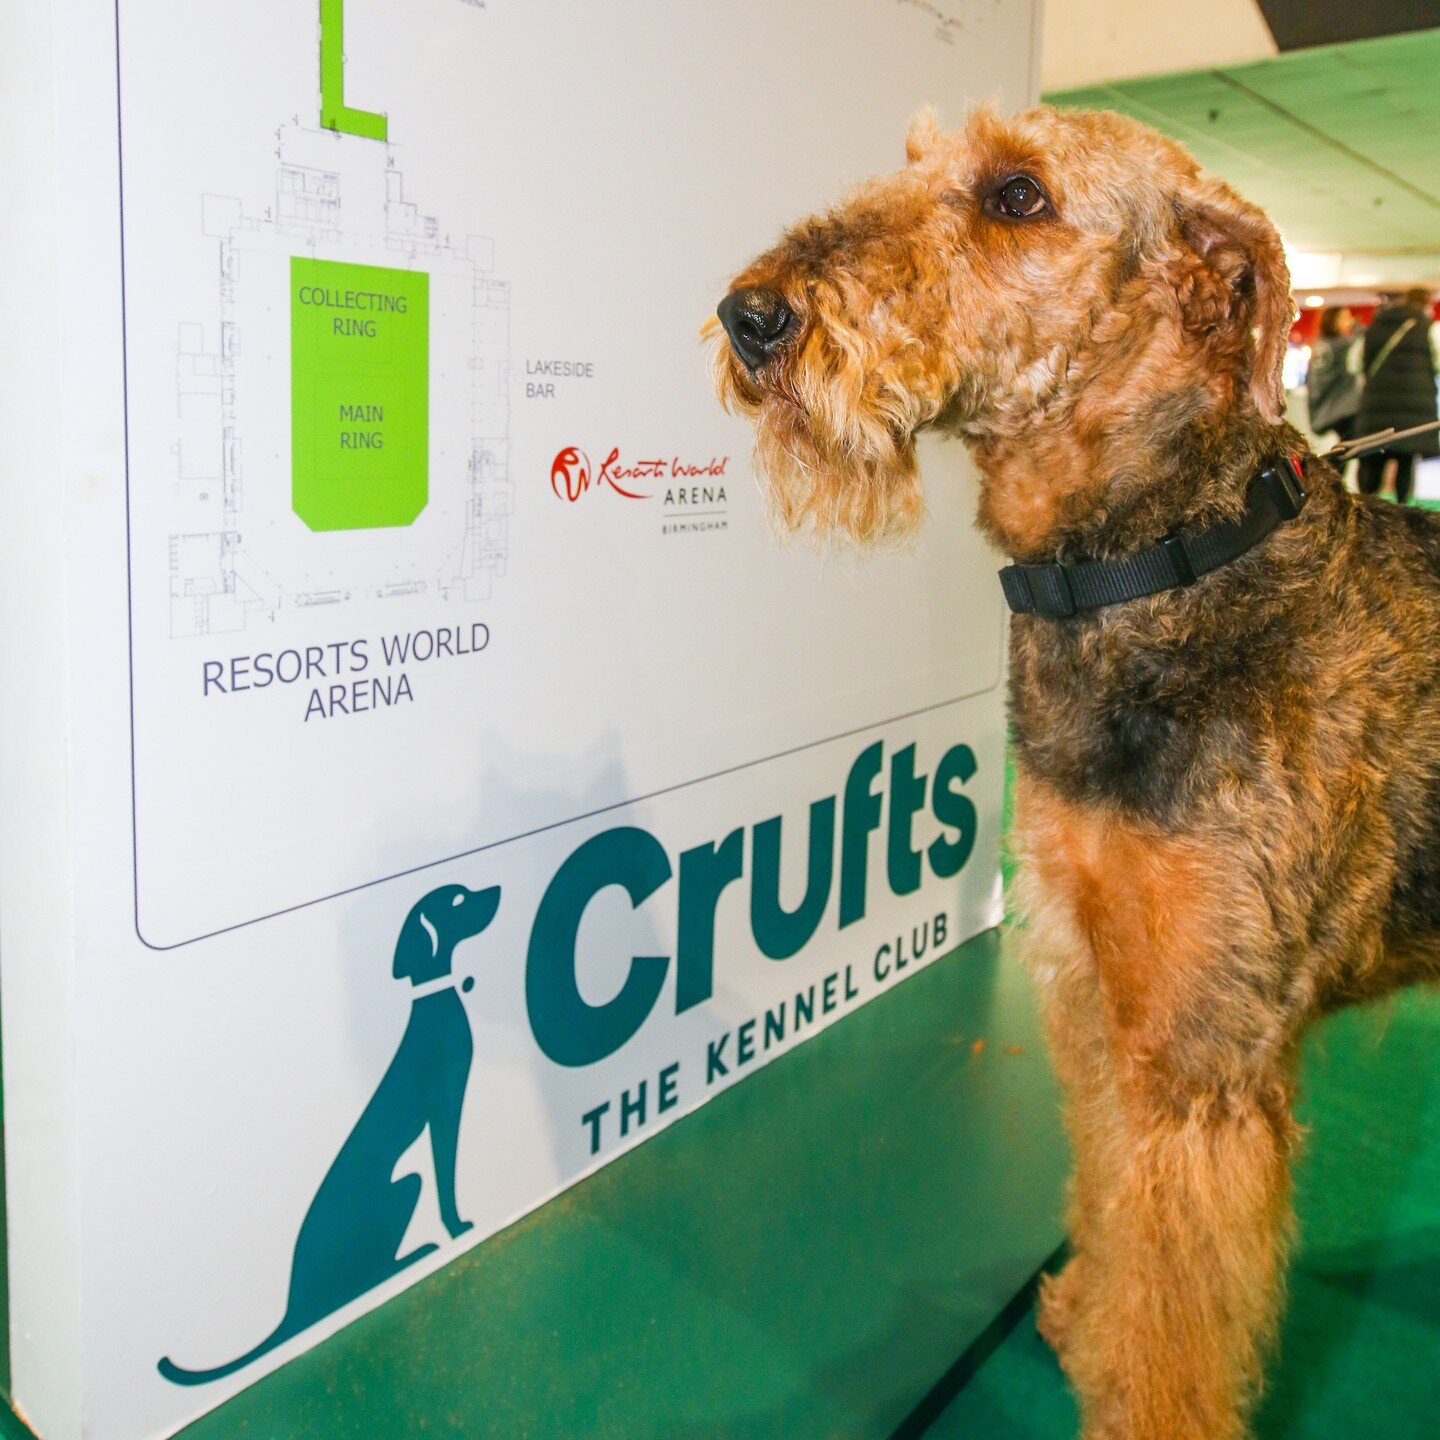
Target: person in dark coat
{"points": [[1334, 382], [1400, 366]]}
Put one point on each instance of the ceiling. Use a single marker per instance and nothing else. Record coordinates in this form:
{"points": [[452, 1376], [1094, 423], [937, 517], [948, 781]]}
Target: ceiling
{"points": [[1340, 143], [1088, 42], [1294, 23]]}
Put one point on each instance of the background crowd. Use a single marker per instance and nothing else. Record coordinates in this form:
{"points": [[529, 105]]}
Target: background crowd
{"points": [[1377, 377]]}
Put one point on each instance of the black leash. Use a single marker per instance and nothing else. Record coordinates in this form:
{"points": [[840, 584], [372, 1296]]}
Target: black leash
{"points": [[1275, 494]]}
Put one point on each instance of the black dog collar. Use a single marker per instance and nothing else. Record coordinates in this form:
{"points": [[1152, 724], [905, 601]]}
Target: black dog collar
{"points": [[1058, 590]]}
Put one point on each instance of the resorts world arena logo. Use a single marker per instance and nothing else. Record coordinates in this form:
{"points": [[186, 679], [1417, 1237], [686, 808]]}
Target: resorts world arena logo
{"points": [[571, 475], [689, 491]]}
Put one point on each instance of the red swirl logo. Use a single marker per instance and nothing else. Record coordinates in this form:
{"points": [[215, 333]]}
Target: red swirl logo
{"points": [[570, 473]]}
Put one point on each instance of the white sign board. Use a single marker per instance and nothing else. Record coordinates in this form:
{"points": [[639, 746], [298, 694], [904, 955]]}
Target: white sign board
{"points": [[426, 776]]}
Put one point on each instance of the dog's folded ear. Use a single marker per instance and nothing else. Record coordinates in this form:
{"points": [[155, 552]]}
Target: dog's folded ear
{"points": [[1234, 288]]}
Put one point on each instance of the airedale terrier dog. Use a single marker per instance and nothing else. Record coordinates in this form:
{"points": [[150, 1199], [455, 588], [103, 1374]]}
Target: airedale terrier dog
{"points": [[1223, 678]]}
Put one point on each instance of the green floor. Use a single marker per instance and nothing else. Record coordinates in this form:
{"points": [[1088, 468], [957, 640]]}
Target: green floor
{"points": [[1360, 1353]]}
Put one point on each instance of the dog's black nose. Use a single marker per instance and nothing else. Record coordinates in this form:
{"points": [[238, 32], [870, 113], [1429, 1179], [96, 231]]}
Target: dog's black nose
{"points": [[756, 321]]}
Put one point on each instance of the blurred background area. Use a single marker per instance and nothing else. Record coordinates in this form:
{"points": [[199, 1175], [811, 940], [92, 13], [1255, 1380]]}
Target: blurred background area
{"points": [[1324, 112]]}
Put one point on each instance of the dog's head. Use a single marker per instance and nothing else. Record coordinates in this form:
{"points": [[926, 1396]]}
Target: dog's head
{"points": [[1006, 272], [436, 924]]}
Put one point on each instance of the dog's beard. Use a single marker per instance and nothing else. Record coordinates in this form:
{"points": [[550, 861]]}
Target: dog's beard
{"points": [[828, 465], [812, 484]]}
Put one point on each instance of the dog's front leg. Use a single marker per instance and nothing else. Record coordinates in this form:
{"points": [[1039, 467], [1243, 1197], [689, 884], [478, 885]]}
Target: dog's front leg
{"points": [[1152, 951], [1078, 1048], [1182, 1274]]}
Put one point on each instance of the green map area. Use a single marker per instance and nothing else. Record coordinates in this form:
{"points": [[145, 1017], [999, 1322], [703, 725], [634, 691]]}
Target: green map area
{"points": [[335, 114], [359, 394]]}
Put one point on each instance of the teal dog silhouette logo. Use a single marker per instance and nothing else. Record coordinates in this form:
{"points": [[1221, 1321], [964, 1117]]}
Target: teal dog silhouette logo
{"points": [[351, 1236]]}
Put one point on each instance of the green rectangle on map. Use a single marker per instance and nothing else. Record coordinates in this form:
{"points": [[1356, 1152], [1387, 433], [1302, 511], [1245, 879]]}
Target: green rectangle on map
{"points": [[359, 394]]}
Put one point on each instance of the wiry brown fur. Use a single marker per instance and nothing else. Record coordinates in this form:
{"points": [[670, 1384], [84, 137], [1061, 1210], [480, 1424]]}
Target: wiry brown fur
{"points": [[1228, 810]]}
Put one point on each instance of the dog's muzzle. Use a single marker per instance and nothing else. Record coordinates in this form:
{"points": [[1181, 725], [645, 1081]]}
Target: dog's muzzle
{"points": [[758, 322]]}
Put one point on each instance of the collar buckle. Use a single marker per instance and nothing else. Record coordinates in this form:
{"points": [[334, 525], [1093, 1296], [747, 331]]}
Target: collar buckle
{"points": [[1051, 590], [1282, 479], [1039, 590], [1062, 596], [1174, 547]]}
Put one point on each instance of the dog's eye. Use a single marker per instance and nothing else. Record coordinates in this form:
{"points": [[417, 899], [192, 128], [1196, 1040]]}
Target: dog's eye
{"points": [[1019, 198]]}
